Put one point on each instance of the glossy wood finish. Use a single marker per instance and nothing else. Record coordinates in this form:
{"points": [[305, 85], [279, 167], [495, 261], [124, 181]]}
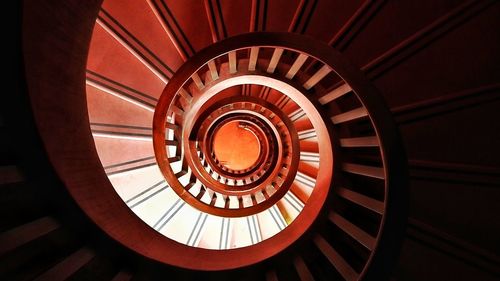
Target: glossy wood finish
{"points": [[458, 71]]}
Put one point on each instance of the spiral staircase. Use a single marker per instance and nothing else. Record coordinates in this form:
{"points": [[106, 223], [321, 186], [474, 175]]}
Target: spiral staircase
{"points": [[118, 158]]}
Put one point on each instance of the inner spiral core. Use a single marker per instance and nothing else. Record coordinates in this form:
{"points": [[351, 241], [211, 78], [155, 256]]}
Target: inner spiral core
{"points": [[236, 146]]}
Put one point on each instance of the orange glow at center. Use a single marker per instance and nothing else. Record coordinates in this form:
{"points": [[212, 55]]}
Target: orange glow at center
{"points": [[236, 147]]}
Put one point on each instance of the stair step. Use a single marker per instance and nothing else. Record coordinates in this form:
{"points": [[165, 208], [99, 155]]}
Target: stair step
{"points": [[23, 234], [39, 255], [68, 266], [10, 174]]}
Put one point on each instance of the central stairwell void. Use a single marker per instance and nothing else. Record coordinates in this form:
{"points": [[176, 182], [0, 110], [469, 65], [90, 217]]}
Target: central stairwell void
{"points": [[318, 132]]}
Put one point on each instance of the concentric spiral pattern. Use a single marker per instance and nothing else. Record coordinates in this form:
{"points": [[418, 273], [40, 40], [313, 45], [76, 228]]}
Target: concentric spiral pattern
{"points": [[279, 91], [228, 88]]}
